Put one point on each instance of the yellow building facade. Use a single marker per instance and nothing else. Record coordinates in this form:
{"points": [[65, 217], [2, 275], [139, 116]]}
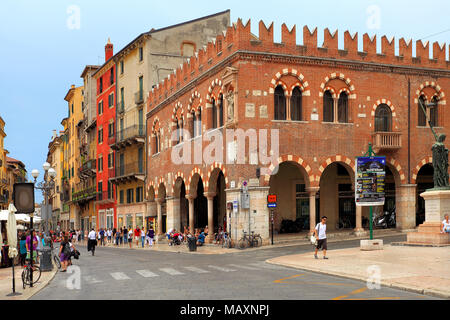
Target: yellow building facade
{"points": [[74, 99], [4, 185]]}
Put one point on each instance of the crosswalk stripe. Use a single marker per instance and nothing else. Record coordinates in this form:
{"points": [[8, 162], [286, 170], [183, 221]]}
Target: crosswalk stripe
{"points": [[265, 265], [171, 271], [119, 276], [196, 270], [92, 279], [243, 267], [147, 273], [221, 269]]}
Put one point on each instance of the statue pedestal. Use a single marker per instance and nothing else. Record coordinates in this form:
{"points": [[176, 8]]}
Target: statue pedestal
{"points": [[437, 205]]}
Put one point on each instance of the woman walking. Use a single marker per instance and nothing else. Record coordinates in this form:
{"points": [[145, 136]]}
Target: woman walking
{"points": [[64, 253], [130, 236], [143, 237]]}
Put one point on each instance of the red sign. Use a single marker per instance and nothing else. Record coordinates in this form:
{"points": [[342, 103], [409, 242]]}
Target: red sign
{"points": [[272, 198]]}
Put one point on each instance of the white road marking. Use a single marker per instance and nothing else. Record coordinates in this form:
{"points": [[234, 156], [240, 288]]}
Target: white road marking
{"points": [[243, 267], [92, 279], [119, 276], [221, 269], [196, 270], [147, 273], [263, 264], [171, 271]]}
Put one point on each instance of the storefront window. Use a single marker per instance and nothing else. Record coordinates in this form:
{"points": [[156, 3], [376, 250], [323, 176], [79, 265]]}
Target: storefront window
{"points": [[129, 221], [120, 221], [139, 220]]}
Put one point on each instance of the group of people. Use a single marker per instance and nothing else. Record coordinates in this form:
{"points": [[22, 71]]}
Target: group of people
{"points": [[175, 237], [138, 235]]}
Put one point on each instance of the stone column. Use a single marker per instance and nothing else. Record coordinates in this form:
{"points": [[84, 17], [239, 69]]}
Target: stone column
{"points": [[359, 230], [159, 233], [210, 196], [406, 206], [191, 213], [312, 207], [173, 213]]}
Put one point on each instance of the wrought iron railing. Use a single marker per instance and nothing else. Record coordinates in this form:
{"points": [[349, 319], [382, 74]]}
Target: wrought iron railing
{"points": [[135, 168], [130, 132], [139, 97]]}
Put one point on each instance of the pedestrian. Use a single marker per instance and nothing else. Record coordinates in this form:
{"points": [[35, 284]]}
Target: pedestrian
{"points": [[23, 249], [92, 241], [321, 236], [137, 235], [169, 235], [118, 236], [102, 237], [151, 235], [108, 234], [125, 235], [28, 245], [64, 253], [130, 236], [143, 237], [39, 246], [445, 227]]}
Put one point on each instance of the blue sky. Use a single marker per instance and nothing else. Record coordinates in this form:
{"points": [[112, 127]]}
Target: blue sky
{"points": [[41, 56]]}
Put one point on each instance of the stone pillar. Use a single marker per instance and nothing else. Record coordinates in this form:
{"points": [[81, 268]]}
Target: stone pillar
{"points": [[210, 196], [406, 206], [312, 207], [359, 230], [173, 213], [191, 213], [159, 233]]}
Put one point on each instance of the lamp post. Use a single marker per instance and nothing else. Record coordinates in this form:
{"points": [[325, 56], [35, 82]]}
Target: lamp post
{"points": [[46, 186]]}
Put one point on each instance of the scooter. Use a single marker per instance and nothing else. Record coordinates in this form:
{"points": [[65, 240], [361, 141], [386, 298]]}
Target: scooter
{"points": [[380, 221]]}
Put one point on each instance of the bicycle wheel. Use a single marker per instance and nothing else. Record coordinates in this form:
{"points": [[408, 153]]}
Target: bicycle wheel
{"points": [[36, 274], [25, 277], [57, 262], [258, 241], [243, 243]]}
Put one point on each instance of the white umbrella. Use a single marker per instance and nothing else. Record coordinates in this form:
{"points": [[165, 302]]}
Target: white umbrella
{"points": [[11, 228]]}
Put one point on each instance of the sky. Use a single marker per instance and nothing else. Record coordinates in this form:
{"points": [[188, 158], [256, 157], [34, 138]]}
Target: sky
{"points": [[45, 45]]}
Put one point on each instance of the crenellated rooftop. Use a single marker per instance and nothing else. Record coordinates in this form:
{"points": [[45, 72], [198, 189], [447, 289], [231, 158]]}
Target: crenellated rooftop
{"points": [[239, 37]]}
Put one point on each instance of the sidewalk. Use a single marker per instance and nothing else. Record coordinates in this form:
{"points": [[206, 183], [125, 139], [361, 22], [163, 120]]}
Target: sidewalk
{"points": [[6, 283], [416, 269]]}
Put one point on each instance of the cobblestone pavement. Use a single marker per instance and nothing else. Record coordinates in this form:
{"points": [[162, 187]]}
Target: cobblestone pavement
{"points": [[144, 274]]}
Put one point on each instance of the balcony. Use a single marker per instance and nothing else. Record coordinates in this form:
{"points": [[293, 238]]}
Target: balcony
{"points": [[88, 169], [84, 196], [139, 97], [127, 173], [387, 141], [105, 198], [129, 136]]}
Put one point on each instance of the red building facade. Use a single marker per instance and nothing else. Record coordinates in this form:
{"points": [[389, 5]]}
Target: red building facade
{"points": [[326, 104], [106, 115]]}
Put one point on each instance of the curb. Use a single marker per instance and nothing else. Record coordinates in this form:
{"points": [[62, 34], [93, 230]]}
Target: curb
{"points": [[430, 292], [44, 285]]}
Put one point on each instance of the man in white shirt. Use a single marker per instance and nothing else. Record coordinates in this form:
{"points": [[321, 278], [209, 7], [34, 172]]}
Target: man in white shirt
{"points": [[321, 235], [91, 241], [445, 227]]}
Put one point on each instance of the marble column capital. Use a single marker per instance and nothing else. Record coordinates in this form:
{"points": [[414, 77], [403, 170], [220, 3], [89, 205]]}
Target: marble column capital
{"points": [[209, 195]]}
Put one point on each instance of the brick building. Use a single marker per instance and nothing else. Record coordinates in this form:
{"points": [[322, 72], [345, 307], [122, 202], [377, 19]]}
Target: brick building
{"points": [[327, 105]]}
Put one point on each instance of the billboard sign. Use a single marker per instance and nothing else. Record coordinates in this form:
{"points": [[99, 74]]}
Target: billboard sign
{"points": [[370, 180]]}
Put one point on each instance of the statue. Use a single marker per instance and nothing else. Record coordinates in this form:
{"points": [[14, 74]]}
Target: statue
{"points": [[440, 163], [230, 106], [440, 158]]}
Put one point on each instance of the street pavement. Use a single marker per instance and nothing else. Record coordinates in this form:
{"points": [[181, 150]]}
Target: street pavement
{"points": [[152, 275]]}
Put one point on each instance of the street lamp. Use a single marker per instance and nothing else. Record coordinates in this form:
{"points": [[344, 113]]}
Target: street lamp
{"points": [[46, 186]]}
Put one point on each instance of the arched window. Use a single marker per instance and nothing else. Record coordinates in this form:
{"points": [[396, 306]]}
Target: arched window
{"points": [[343, 108], [328, 107], [296, 105], [422, 120], [199, 122], [178, 131], [221, 110], [383, 119], [280, 104], [214, 114], [434, 112], [157, 142], [194, 125]]}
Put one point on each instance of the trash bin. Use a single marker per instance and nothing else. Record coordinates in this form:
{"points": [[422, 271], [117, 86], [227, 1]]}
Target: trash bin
{"points": [[192, 244]]}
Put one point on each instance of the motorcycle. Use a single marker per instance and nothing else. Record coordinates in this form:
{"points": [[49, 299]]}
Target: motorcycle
{"points": [[384, 220]]}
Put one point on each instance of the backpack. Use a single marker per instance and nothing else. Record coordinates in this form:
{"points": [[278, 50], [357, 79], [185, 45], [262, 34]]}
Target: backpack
{"points": [[66, 250]]}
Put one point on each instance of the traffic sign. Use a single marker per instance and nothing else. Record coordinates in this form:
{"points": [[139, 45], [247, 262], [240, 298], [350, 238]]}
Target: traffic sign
{"points": [[271, 205], [272, 198]]}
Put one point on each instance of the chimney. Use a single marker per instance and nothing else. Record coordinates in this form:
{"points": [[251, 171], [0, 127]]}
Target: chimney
{"points": [[109, 50]]}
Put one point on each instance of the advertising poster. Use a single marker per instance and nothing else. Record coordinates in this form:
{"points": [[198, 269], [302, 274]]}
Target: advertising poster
{"points": [[370, 179]]}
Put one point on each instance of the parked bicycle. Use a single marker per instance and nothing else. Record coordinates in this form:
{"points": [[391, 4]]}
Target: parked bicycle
{"points": [[56, 259], [26, 274], [253, 240]]}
